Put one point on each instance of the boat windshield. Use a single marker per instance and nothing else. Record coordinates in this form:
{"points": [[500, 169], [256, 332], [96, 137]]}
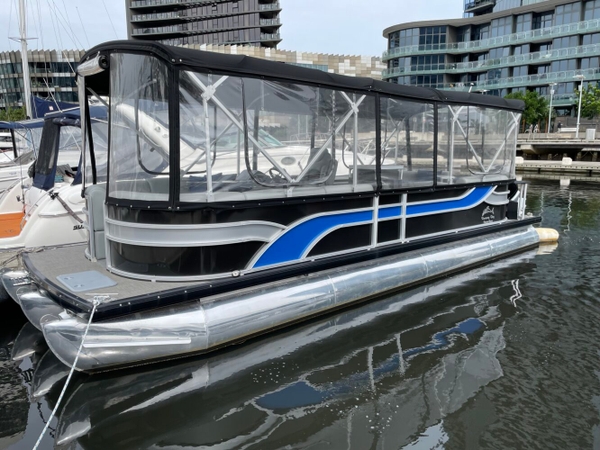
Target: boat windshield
{"points": [[245, 138], [27, 143], [139, 138]]}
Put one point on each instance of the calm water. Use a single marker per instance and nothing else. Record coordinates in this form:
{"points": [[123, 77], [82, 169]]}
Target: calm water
{"points": [[502, 357]]}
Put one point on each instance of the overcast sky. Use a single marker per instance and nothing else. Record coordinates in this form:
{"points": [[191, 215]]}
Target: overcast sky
{"points": [[328, 26]]}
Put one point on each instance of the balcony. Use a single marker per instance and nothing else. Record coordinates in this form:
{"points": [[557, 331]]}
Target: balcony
{"points": [[479, 6], [270, 7], [270, 37], [264, 38], [526, 81], [171, 29], [498, 63], [156, 17], [270, 22], [158, 3], [587, 26]]}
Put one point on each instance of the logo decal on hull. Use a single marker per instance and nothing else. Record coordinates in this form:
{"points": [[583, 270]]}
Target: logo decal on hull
{"points": [[488, 215]]}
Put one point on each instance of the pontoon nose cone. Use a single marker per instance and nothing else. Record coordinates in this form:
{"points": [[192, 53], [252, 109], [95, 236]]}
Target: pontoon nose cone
{"points": [[13, 280], [30, 340], [49, 372], [35, 305], [64, 339]]}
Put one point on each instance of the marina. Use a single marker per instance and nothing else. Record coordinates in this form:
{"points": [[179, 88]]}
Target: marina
{"points": [[209, 242]]}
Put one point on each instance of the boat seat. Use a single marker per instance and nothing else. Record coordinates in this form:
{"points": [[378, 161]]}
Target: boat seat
{"points": [[95, 196], [480, 178], [271, 193], [323, 169]]}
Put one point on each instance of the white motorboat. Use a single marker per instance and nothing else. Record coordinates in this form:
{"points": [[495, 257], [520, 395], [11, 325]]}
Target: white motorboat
{"points": [[45, 207]]}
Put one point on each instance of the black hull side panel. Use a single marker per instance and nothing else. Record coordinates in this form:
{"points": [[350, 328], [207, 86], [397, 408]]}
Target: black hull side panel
{"points": [[166, 298]]}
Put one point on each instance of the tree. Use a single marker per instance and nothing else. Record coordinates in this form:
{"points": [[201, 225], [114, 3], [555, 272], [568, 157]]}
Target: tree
{"points": [[590, 101], [536, 106], [13, 114]]}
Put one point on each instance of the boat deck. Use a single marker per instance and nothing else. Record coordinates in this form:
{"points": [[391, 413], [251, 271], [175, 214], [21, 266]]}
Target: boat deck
{"points": [[49, 264], [129, 296]]}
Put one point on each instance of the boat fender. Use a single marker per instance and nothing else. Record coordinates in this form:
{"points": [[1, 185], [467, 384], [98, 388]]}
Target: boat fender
{"points": [[547, 235]]}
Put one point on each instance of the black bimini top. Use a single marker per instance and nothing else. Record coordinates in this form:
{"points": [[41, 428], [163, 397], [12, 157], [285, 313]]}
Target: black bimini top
{"points": [[241, 65]]}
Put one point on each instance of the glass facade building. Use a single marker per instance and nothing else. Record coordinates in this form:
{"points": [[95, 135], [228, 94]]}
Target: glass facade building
{"points": [[500, 47], [187, 22], [52, 74]]}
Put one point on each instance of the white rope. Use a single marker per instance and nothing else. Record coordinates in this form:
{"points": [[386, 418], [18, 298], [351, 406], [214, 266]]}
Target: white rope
{"points": [[97, 300]]}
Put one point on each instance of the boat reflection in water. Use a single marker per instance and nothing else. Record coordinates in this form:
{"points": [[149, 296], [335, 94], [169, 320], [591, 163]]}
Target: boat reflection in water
{"points": [[384, 373], [14, 402]]}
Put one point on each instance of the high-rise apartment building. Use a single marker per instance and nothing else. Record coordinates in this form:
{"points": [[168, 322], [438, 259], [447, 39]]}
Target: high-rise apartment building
{"points": [[503, 46], [181, 22], [52, 74]]}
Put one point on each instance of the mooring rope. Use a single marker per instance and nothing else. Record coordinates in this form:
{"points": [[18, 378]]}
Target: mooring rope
{"points": [[96, 301], [18, 253]]}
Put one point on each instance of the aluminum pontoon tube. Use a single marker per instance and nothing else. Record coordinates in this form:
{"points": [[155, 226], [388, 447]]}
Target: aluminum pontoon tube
{"points": [[212, 322]]}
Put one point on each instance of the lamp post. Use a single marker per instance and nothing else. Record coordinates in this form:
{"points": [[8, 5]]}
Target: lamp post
{"points": [[550, 111], [580, 78]]}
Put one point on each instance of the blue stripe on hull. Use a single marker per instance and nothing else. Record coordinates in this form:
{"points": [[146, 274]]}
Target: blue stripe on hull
{"points": [[478, 195], [292, 244]]}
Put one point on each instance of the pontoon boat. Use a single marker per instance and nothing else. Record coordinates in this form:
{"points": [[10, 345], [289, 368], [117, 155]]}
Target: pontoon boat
{"points": [[245, 195]]}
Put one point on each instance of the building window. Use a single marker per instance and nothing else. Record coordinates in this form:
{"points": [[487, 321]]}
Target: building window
{"points": [[463, 34], [520, 71], [565, 42], [564, 65], [542, 20], [432, 38], [501, 52], [479, 32], [408, 37], [590, 63], [394, 40], [591, 10], [523, 23], [501, 27], [542, 48], [589, 39], [567, 14]]}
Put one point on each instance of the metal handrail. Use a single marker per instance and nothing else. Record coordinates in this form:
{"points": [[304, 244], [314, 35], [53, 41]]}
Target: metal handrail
{"points": [[515, 60], [499, 41], [566, 76]]}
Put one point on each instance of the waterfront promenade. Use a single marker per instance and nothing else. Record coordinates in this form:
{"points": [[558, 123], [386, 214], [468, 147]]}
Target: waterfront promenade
{"points": [[559, 155], [576, 170], [544, 145]]}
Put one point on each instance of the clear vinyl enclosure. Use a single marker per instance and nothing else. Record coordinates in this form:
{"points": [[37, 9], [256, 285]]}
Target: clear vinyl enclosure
{"points": [[243, 138]]}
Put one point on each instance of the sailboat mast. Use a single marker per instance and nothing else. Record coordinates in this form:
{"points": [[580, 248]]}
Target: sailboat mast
{"points": [[25, 58]]}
